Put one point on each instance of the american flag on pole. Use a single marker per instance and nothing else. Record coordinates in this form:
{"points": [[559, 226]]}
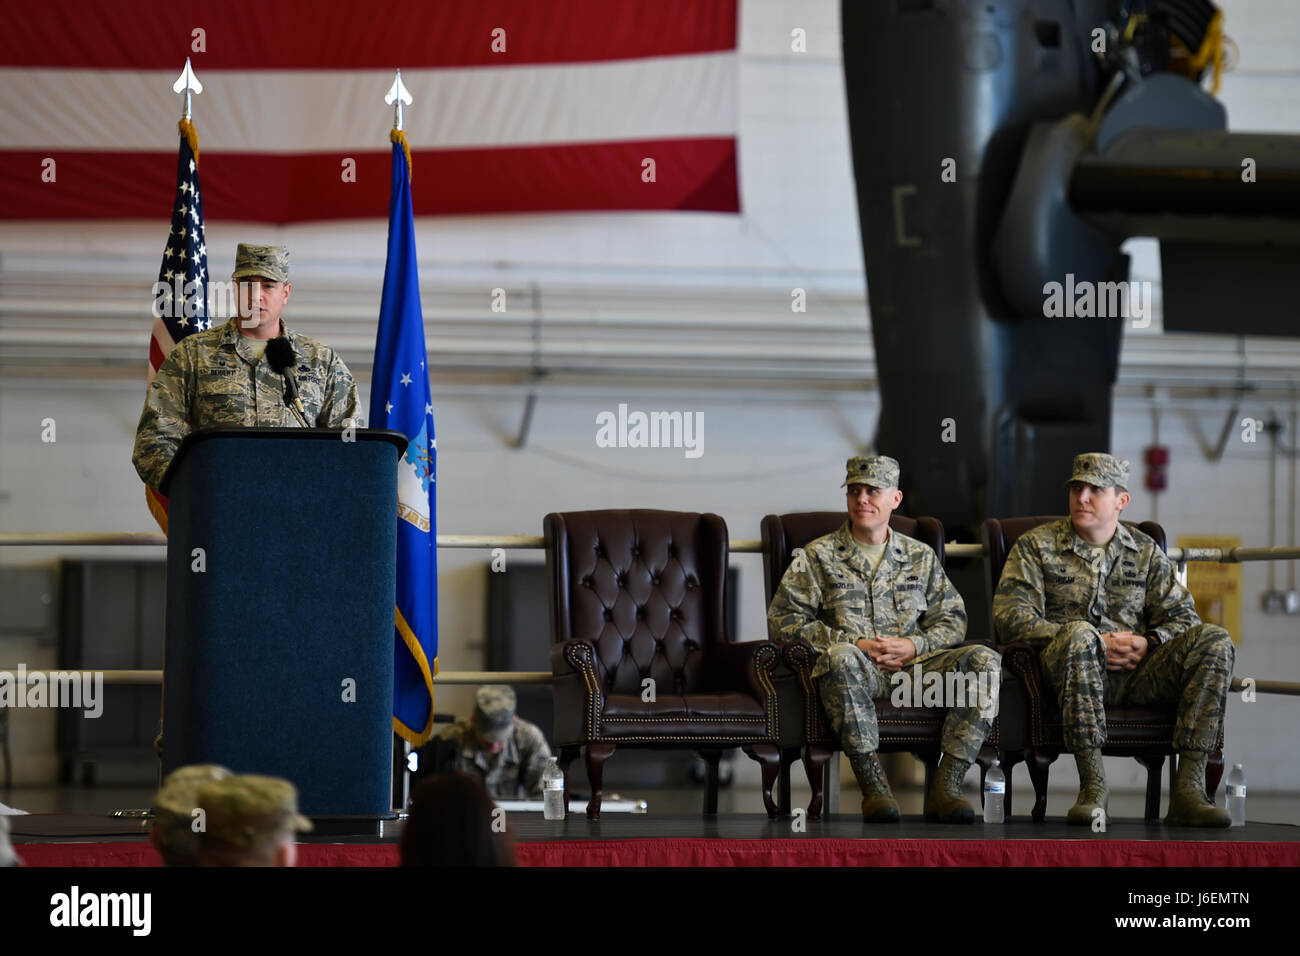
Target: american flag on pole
{"points": [[181, 293]]}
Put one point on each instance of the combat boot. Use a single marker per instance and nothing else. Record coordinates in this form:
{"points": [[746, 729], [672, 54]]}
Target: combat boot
{"points": [[1188, 805], [943, 801], [1093, 794], [878, 804]]}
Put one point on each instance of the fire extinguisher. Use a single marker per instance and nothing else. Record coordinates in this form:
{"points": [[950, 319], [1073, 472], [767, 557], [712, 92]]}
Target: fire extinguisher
{"points": [[1157, 461]]}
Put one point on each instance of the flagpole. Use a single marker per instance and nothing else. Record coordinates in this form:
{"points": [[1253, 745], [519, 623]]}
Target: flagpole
{"points": [[396, 96], [186, 84], [165, 335], [400, 399], [162, 337]]}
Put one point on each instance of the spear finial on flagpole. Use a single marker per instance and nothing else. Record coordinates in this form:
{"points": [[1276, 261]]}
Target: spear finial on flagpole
{"points": [[187, 83], [397, 95]]}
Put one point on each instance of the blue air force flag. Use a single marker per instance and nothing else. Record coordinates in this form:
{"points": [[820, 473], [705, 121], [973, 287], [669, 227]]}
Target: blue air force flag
{"points": [[400, 400]]}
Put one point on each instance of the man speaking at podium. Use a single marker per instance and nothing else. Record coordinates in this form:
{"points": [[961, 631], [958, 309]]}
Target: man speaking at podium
{"points": [[251, 372]]}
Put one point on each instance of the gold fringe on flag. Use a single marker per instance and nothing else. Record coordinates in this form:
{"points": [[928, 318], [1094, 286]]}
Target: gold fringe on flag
{"points": [[399, 136], [156, 508], [191, 136], [415, 737]]}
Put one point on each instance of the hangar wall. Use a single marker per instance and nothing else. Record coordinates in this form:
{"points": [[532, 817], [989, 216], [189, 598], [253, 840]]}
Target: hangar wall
{"points": [[766, 447]]}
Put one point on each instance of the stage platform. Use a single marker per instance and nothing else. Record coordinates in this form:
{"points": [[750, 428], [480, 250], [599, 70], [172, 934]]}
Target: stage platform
{"points": [[731, 840]]}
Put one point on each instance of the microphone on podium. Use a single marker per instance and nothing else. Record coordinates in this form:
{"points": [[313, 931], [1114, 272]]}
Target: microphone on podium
{"points": [[281, 356]]}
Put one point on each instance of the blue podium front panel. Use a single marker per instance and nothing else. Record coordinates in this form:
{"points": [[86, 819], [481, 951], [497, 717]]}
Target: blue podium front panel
{"points": [[280, 596]]}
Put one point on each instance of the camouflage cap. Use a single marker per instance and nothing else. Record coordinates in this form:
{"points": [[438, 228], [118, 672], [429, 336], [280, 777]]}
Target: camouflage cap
{"points": [[269, 262], [246, 810], [494, 712], [1096, 468], [878, 471], [179, 794]]}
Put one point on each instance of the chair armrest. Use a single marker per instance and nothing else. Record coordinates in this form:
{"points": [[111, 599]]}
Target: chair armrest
{"points": [[576, 691], [748, 665], [799, 656], [1021, 658], [568, 657]]}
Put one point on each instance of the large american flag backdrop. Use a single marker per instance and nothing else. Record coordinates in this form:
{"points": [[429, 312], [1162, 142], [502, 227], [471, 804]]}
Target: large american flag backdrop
{"points": [[520, 106]]}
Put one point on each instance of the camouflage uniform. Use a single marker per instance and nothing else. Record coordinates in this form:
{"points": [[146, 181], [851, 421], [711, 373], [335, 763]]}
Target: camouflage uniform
{"points": [[515, 772], [1061, 594], [831, 599], [214, 379]]}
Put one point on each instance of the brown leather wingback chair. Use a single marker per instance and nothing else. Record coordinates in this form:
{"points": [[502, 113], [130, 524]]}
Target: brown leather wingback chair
{"points": [[1144, 732], [638, 596], [915, 730]]}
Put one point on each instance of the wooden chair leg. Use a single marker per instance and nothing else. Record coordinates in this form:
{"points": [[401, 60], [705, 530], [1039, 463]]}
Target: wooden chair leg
{"points": [[1008, 760], [985, 760], [815, 758], [1153, 763], [711, 758], [565, 757], [597, 754], [1039, 762], [769, 757], [783, 798]]}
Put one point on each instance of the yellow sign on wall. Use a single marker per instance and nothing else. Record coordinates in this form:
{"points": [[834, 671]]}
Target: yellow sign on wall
{"points": [[1216, 587]]}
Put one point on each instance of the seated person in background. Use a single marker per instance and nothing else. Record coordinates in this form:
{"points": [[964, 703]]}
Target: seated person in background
{"points": [[250, 820], [1115, 627], [507, 752], [873, 602], [452, 823], [173, 830]]}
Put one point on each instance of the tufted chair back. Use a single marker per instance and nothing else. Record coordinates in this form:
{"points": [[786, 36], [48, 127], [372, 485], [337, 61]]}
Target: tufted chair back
{"points": [[641, 594], [645, 587]]}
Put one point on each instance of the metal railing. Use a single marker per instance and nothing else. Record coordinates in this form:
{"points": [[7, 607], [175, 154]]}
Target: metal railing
{"points": [[1180, 556], [68, 539], [1286, 688]]}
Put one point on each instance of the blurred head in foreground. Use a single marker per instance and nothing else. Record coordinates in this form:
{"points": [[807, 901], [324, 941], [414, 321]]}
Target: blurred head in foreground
{"points": [[250, 820], [453, 822], [174, 822]]}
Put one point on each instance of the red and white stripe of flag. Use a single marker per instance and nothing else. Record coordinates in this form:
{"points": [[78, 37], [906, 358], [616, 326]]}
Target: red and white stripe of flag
{"points": [[520, 106]]}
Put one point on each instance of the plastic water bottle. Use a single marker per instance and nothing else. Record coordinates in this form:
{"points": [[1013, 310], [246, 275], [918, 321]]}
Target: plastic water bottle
{"points": [[995, 787], [1235, 795], [553, 791]]}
